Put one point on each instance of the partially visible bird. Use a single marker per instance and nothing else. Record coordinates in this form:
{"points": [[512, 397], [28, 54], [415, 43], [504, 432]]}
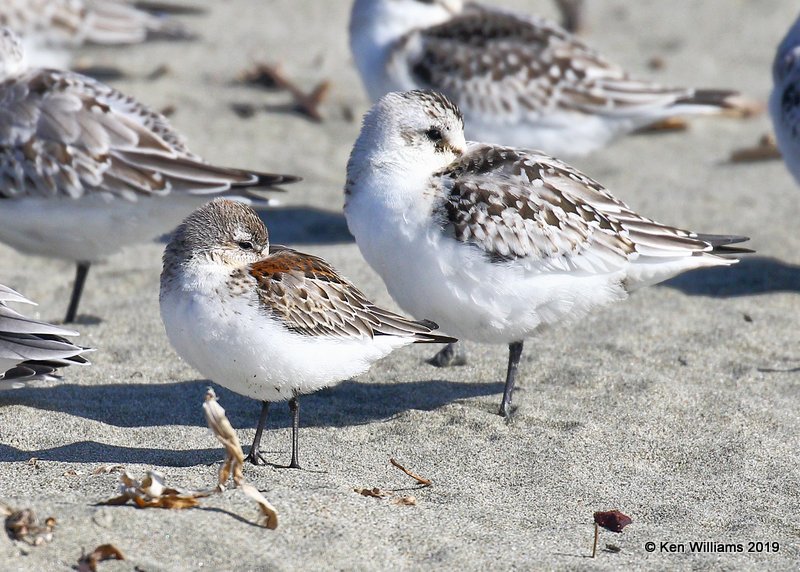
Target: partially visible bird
{"points": [[784, 101], [86, 170], [50, 28], [267, 321], [519, 80], [496, 243], [30, 349]]}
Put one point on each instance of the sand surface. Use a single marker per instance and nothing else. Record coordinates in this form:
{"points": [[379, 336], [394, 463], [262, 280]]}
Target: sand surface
{"points": [[678, 407]]}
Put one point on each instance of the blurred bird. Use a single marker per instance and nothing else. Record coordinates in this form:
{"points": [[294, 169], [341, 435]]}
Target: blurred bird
{"points": [[30, 349], [86, 170], [784, 101], [496, 243], [266, 321], [519, 80], [49, 28]]}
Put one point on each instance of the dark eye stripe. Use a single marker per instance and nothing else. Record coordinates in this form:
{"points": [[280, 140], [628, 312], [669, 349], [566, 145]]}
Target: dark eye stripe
{"points": [[434, 134]]}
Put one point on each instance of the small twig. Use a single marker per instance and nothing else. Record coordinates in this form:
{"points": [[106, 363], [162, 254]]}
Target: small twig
{"points": [[158, 72], [765, 150], [89, 562], [596, 535], [424, 482], [273, 76], [667, 125], [374, 492]]}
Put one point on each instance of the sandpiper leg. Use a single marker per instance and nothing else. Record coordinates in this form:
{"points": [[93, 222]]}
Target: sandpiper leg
{"points": [[81, 271], [573, 14], [255, 455], [514, 353], [294, 407], [451, 355]]}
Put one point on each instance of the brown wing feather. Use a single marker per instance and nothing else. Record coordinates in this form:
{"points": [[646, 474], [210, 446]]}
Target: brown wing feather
{"points": [[515, 204], [500, 64], [310, 298], [63, 133]]}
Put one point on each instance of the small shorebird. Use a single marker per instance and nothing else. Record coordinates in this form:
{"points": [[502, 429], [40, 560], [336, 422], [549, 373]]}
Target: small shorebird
{"points": [[86, 170], [267, 321], [495, 243], [49, 28], [784, 101], [519, 80], [29, 348]]}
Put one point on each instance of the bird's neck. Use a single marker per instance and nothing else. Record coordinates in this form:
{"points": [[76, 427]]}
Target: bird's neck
{"points": [[377, 26]]}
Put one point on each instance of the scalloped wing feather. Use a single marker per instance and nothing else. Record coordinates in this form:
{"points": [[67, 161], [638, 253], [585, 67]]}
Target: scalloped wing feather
{"points": [[65, 134], [505, 66], [521, 205], [310, 298]]}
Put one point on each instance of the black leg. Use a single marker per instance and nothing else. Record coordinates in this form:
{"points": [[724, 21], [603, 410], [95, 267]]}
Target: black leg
{"points": [[81, 271], [573, 14], [294, 407], [451, 355], [514, 353], [255, 455]]}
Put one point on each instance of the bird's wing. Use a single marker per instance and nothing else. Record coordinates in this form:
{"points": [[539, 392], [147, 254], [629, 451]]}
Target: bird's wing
{"points": [[790, 106], [33, 347], [504, 67], [74, 22], [521, 205], [64, 134], [309, 297]]}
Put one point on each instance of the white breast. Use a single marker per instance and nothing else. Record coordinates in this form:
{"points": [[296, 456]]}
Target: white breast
{"points": [[234, 342], [433, 276]]}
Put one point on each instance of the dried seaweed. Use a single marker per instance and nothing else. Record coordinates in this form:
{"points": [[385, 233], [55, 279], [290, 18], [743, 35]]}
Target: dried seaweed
{"points": [[89, 562], [374, 492], [234, 460], [152, 492], [23, 525], [612, 520], [765, 150], [273, 77]]}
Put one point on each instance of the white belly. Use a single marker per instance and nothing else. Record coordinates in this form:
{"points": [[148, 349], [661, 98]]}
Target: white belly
{"points": [[433, 277], [235, 344]]}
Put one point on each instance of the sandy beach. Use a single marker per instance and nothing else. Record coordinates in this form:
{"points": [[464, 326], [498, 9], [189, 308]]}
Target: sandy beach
{"points": [[680, 407]]}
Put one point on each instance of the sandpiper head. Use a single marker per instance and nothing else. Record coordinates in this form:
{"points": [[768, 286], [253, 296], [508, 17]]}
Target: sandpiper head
{"points": [[12, 56], [224, 232], [420, 130]]}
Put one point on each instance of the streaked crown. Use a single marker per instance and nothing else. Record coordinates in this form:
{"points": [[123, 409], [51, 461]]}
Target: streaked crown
{"points": [[222, 231]]}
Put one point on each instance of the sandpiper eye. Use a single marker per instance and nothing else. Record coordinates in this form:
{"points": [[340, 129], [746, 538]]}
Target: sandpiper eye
{"points": [[434, 134], [245, 245]]}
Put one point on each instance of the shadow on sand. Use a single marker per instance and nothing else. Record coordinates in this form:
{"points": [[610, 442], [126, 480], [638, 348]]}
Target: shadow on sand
{"points": [[305, 225], [296, 226], [752, 275], [156, 405]]}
